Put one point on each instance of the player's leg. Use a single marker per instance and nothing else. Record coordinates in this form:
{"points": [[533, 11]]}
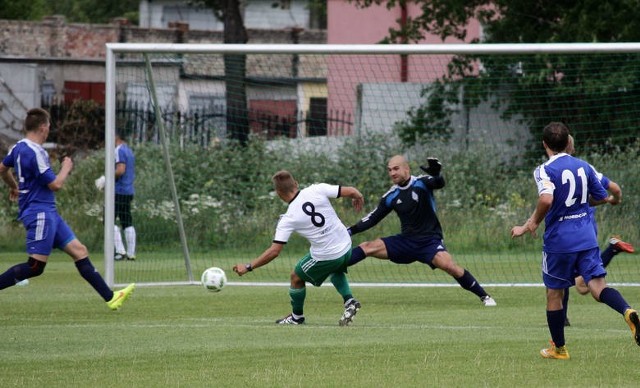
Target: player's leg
{"points": [[34, 266], [444, 261], [39, 242], [375, 248], [594, 275], [66, 240], [130, 237], [126, 220], [297, 295], [121, 252], [119, 214], [581, 286], [615, 246], [351, 304], [558, 275], [555, 322], [612, 298], [341, 283], [565, 307]]}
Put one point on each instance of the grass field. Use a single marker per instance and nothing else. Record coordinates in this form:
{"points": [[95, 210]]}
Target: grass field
{"points": [[57, 332]]}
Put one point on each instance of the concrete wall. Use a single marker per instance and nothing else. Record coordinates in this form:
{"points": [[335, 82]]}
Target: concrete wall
{"points": [[257, 14], [54, 38], [50, 52]]}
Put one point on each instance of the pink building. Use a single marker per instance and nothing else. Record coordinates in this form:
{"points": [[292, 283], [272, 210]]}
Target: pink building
{"points": [[355, 83]]}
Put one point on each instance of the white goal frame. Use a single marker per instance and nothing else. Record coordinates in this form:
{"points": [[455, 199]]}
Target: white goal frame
{"points": [[113, 49]]}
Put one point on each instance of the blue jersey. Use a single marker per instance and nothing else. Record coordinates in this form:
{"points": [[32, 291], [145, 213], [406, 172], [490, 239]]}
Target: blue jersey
{"points": [[605, 183], [569, 226], [124, 184], [414, 204], [33, 172]]}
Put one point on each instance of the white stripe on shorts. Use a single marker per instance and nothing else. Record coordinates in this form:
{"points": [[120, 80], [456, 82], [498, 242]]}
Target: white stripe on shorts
{"points": [[39, 227], [309, 264]]}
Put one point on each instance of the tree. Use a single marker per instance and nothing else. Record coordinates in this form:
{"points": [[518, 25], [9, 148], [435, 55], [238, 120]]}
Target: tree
{"points": [[537, 88], [75, 11], [93, 11], [235, 67], [24, 10]]}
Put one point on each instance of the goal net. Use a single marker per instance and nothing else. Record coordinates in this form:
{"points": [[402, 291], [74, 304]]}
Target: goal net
{"points": [[210, 124]]}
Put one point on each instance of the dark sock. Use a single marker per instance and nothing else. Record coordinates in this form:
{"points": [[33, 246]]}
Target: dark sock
{"points": [[357, 255], [565, 302], [612, 298], [607, 255], [91, 275], [555, 321], [469, 283], [19, 272]]}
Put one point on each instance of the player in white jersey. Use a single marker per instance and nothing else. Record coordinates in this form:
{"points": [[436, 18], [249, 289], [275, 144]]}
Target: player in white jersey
{"points": [[311, 215], [567, 186]]}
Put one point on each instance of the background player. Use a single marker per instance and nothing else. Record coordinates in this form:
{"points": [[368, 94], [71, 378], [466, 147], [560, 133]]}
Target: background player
{"points": [[566, 186], [35, 191]]}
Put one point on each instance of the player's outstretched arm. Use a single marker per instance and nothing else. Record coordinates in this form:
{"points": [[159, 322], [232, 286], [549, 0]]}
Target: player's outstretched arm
{"points": [[531, 225], [265, 258]]}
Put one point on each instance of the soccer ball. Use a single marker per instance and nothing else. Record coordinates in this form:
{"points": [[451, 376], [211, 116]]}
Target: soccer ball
{"points": [[214, 279]]}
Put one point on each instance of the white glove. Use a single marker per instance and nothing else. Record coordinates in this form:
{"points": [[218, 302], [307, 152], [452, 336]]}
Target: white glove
{"points": [[100, 183]]}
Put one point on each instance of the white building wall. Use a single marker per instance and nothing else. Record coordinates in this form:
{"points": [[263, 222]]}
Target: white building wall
{"points": [[257, 14], [19, 92]]}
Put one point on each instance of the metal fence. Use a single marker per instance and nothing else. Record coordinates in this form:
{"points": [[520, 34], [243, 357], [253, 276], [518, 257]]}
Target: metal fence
{"points": [[204, 125]]}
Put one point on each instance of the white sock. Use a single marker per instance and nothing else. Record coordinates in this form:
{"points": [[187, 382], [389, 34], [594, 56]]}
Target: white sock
{"points": [[130, 236], [117, 239]]}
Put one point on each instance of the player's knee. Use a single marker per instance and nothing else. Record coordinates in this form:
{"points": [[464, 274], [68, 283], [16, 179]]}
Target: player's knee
{"points": [[36, 266], [77, 250], [296, 281], [375, 248]]}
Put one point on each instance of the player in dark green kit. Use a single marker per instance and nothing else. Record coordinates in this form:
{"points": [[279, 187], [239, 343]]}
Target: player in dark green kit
{"points": [[421, 236]]}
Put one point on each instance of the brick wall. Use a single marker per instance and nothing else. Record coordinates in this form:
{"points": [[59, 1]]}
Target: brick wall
{"points": [[54, 38]]}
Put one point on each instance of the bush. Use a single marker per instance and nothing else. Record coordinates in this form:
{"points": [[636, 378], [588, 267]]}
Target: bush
{"points": [[227, 200]]}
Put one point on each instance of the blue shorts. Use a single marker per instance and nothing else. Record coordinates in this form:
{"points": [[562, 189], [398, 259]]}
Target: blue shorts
{"points": [[560, 269], [45, 231], [405, 250]]}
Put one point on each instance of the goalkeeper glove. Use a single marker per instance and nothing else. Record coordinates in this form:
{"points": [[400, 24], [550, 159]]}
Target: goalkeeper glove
{"points": [[433, 167], [100, 183]]}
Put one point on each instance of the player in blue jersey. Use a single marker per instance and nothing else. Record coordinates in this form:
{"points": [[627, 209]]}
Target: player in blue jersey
{"points": [[311, 215], [33, 187], [567, 186], [125, 176], [421, 237], [615, 245]]}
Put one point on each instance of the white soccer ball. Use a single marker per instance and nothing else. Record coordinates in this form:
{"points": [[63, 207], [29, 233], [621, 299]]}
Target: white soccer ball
{"points": [[214, 279]]}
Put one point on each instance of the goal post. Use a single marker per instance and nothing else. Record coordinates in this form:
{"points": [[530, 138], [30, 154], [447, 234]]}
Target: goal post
{"points": [[231, 115]]}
